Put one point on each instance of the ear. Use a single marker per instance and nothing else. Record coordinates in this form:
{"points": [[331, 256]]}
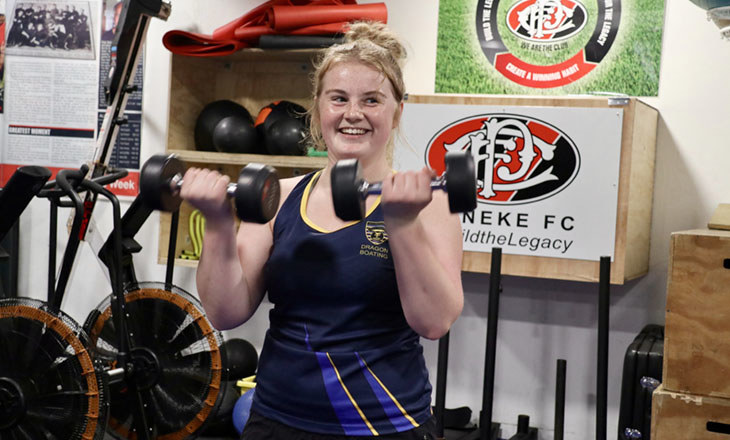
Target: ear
{"points": [[398, 115]]}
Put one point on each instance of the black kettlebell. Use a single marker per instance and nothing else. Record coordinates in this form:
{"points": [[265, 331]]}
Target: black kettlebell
{"points": [[283, 126], [227, 127]]}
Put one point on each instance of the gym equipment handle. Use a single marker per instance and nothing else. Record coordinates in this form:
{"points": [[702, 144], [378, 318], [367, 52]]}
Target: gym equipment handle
{"points": [[367, 188], [177, 180]]}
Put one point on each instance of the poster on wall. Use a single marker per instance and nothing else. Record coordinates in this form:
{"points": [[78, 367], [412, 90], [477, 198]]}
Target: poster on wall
{"points": [[50, 84], [549, 46], [2, 58], [128, 143], [547, 177], [58, 30], [2, 81], [56, 65]]}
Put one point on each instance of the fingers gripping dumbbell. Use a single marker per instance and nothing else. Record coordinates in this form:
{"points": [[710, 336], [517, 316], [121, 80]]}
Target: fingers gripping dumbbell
{"points": [[349, 189], [255, 194]]}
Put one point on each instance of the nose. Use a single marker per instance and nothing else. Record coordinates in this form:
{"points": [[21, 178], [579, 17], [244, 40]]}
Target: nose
{"points": [[353, 110]]}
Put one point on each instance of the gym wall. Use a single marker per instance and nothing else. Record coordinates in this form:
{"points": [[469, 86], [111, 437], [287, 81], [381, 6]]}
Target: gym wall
{"points": [[540, 320]]}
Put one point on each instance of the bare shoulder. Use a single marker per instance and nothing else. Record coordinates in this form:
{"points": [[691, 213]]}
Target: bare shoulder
{"points": [[437, 212], [287, 185]]}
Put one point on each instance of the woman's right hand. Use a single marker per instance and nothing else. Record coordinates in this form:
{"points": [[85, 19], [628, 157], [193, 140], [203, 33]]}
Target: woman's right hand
{"points": [[206, 190]]}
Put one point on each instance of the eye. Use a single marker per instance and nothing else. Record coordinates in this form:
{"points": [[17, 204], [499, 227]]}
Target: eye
{"points": [[372, 100]]}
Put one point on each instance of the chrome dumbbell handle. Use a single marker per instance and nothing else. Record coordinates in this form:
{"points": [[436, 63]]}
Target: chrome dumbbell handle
{"points": [[366, 188], [176, 182]]}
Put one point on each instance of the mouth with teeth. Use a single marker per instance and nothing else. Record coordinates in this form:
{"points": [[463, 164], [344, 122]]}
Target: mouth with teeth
{"points": [[353, 131]]}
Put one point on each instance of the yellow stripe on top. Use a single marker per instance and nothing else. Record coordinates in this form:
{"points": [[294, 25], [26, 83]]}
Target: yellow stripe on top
{"points": [[354, 403], [305, 201], [392, 397]]}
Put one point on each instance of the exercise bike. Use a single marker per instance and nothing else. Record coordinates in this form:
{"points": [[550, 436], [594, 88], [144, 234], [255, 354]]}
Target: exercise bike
{"points": [[146, 364]]}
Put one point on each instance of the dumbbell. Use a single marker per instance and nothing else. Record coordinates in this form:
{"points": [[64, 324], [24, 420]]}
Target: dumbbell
{"points": [[256, 192], [349, 189]]}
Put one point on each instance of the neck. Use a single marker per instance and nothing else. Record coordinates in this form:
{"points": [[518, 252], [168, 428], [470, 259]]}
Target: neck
{"points": [[372, 169]]}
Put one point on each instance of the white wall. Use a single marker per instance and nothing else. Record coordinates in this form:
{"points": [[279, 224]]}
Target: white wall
{"points": [[540, 320]]}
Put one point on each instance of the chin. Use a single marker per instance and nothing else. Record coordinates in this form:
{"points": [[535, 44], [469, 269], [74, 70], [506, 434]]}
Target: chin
{"points": [[350, 151]]}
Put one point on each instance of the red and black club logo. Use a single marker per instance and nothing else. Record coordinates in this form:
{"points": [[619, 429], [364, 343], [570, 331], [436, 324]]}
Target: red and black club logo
{"points": [[518, 159], [539, 24], [545, 21]]}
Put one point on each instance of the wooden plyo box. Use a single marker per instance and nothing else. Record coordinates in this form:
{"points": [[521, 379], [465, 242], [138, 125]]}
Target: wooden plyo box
{"points": [[697, 330], [677, 416]]}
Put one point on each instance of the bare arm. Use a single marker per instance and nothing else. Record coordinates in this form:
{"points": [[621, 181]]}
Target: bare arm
{"points": [[229, 278], [425, 239]]}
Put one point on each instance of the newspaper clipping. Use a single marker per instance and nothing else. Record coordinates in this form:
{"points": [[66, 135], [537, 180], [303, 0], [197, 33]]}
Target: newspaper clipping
{"points": [[57, 59]]}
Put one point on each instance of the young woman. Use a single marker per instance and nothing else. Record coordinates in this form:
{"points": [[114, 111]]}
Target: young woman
{"points": [[342, 356]]}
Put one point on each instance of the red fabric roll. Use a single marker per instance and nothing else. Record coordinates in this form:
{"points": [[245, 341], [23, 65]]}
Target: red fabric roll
{"points": [[285, 17], [253, 17], [282, 18], [189, 43]]}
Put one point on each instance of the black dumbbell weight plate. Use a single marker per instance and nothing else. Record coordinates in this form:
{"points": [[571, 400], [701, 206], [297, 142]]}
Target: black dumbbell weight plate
{"points": [[461, 182], [257, 193], [155, 178], [346, 180]]}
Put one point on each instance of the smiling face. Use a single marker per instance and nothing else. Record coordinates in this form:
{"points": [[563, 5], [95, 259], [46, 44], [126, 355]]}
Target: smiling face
{"points": [[357, 111]]}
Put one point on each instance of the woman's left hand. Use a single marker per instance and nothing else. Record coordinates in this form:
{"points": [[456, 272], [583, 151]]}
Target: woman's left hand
{"points": [[406, 193]]}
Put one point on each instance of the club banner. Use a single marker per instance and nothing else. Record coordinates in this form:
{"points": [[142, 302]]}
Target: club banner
{"points": [[549, 46], [547, 177]]}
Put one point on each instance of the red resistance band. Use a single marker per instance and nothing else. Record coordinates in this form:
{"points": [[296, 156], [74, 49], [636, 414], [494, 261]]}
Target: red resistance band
{"points": [[275, 17]]}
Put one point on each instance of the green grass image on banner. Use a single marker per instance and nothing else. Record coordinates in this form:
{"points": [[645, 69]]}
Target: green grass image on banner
{"points": [[631, 65]]}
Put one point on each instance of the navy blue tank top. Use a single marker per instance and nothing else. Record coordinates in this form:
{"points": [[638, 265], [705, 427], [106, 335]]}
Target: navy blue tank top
{"points": [[339, 356]]}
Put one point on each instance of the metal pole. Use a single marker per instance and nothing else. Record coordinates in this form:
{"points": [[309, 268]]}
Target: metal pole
{"points": [[495, 275], [560, 399], [604, 296], [443, 363]]}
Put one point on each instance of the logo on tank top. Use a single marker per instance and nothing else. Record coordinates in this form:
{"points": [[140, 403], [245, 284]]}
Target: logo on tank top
{"points": [[376, 233]]}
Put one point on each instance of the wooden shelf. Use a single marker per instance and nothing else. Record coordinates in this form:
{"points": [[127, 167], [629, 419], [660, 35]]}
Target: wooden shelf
{"points": [[243, 159], [253, 78]]}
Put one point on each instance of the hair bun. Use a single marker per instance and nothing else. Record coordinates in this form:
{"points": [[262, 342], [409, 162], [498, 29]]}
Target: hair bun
{"points": [[379, 34]]}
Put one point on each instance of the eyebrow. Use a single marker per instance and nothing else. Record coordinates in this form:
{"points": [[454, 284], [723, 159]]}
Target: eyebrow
{"points": [[342, 92]]}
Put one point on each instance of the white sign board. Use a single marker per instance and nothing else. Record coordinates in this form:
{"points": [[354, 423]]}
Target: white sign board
{"points": [[547, 177]]}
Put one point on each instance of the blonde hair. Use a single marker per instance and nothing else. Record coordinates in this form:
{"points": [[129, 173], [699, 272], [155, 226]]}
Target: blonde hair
{"points": [[370, 43]]}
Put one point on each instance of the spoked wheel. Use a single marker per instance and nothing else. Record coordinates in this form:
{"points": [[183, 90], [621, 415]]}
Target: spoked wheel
{"points": [[49, 386], [176, 358]]}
